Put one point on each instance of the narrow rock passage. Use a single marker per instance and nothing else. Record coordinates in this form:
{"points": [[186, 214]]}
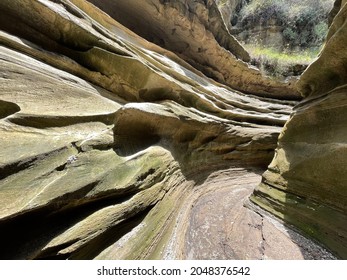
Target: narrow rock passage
{"points": [[101, 130], [221, 227]]}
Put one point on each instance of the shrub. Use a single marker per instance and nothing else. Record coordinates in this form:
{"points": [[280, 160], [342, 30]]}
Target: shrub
{"points": [[304, 22], [289, 34], [320, 30]]}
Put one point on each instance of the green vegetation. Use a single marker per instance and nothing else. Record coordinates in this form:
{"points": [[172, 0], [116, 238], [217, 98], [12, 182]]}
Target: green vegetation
{"points": [[281, 63], [281, 35], [304, 22]]}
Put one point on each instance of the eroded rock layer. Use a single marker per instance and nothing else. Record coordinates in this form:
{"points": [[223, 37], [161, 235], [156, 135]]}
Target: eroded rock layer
{"points": [[107, 140], [306, 182], [195, 31]]}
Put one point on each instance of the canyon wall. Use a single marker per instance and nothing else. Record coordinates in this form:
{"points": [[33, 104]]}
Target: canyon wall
{"points": [[104, 133], [115, 121], [306, 182]]}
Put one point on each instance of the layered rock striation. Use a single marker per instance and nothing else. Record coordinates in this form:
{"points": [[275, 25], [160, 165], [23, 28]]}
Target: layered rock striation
{"points": [[103, 132], [306, 182], [109, 140], [195, 31]]}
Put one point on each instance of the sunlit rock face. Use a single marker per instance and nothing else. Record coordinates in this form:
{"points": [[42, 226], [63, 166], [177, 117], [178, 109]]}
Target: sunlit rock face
{"points": [[195, 31], [108, 141], [103, 132], [306, 182]]}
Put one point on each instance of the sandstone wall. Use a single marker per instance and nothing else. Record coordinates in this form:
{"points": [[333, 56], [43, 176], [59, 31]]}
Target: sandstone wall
{"points": [[306, 182], [195, 31], [105, 134]]}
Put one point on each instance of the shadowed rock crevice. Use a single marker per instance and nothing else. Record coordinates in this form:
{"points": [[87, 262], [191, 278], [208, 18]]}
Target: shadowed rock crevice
{"points": [[40, 227], [52, 121], [193, 139], [8, 109], [94, 247]]}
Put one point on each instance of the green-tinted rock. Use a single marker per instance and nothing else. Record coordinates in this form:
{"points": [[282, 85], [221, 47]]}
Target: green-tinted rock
{"points": [[306, 182]]}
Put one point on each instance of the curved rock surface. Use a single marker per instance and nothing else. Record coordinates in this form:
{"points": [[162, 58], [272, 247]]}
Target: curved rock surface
{"points": [[107, 140], [195, 31], [306, 182]]}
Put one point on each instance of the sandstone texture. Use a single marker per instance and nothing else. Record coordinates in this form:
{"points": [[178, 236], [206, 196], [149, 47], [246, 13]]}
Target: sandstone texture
{"points": [[113, 143], [306, 182], [195, 31]]}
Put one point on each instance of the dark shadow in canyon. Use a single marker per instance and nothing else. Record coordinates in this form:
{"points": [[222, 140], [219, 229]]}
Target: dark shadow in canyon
{"points": [[32, 231]]}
